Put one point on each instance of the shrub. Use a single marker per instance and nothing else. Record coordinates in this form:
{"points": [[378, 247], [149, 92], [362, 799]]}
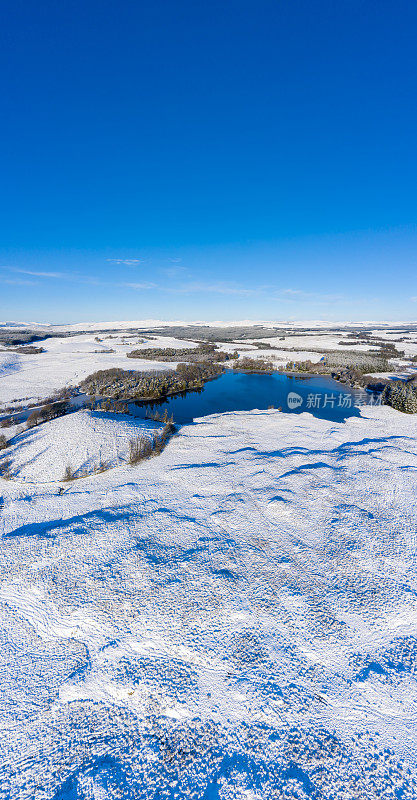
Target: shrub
{"points": [[5, 471], [69, 474], [139, 448], [3, 442], [46, 413], [104, 351], [26, 350], [103, 466], [33, 419], [161, 439], [143, 446]]}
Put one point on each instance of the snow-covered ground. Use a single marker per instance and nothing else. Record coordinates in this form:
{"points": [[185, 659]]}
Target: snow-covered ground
{"points": [[320, 341], [235, 618], [82, 440], [67, 361]]}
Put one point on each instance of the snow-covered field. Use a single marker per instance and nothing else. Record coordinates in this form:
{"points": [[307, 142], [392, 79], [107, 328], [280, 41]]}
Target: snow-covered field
{"points": [[235, 618], [67, 361]]}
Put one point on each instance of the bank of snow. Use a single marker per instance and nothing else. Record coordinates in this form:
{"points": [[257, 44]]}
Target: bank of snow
{"points": [[80, 440]]}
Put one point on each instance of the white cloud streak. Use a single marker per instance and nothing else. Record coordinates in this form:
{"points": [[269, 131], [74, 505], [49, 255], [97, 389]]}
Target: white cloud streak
{"points": [[138, 285], [287, 295], [212, 288], [18, 282], [129, 262], [299, 294], [41, 274]]}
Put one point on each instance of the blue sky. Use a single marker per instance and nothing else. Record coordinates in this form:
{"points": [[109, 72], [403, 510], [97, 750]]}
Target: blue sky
{"points": [[222, 160]]}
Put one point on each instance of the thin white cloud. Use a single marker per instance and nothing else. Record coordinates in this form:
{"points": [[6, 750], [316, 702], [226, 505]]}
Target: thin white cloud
{"points": [[413, 299], [299, 294], [215, 288], [75, 278], [18, 282], [41, 274], [287, 295], [173, 272], [129, 262], [138, 285]]}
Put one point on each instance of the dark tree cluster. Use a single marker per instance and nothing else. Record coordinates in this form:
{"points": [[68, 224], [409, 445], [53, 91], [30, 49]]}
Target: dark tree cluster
{"points": [[401, 396], [210, 333], [263, 345], [11, 338], [253, 365], [28, 350], [119, 384], [46, 413], [204, 352], [339, 362]]}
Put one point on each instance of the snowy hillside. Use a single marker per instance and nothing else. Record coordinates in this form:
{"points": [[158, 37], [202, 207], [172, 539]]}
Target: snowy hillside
{"points": [[235, 618], [81, 440]]}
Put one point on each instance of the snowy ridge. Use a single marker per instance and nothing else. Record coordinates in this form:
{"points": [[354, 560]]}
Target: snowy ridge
{"points": [[153, 323]]}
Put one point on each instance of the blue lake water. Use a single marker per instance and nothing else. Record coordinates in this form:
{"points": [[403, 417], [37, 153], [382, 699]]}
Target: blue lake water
{"points": [[234, 391]]}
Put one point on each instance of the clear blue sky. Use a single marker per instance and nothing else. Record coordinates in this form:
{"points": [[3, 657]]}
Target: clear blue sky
{"points": [[208, 160]]}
